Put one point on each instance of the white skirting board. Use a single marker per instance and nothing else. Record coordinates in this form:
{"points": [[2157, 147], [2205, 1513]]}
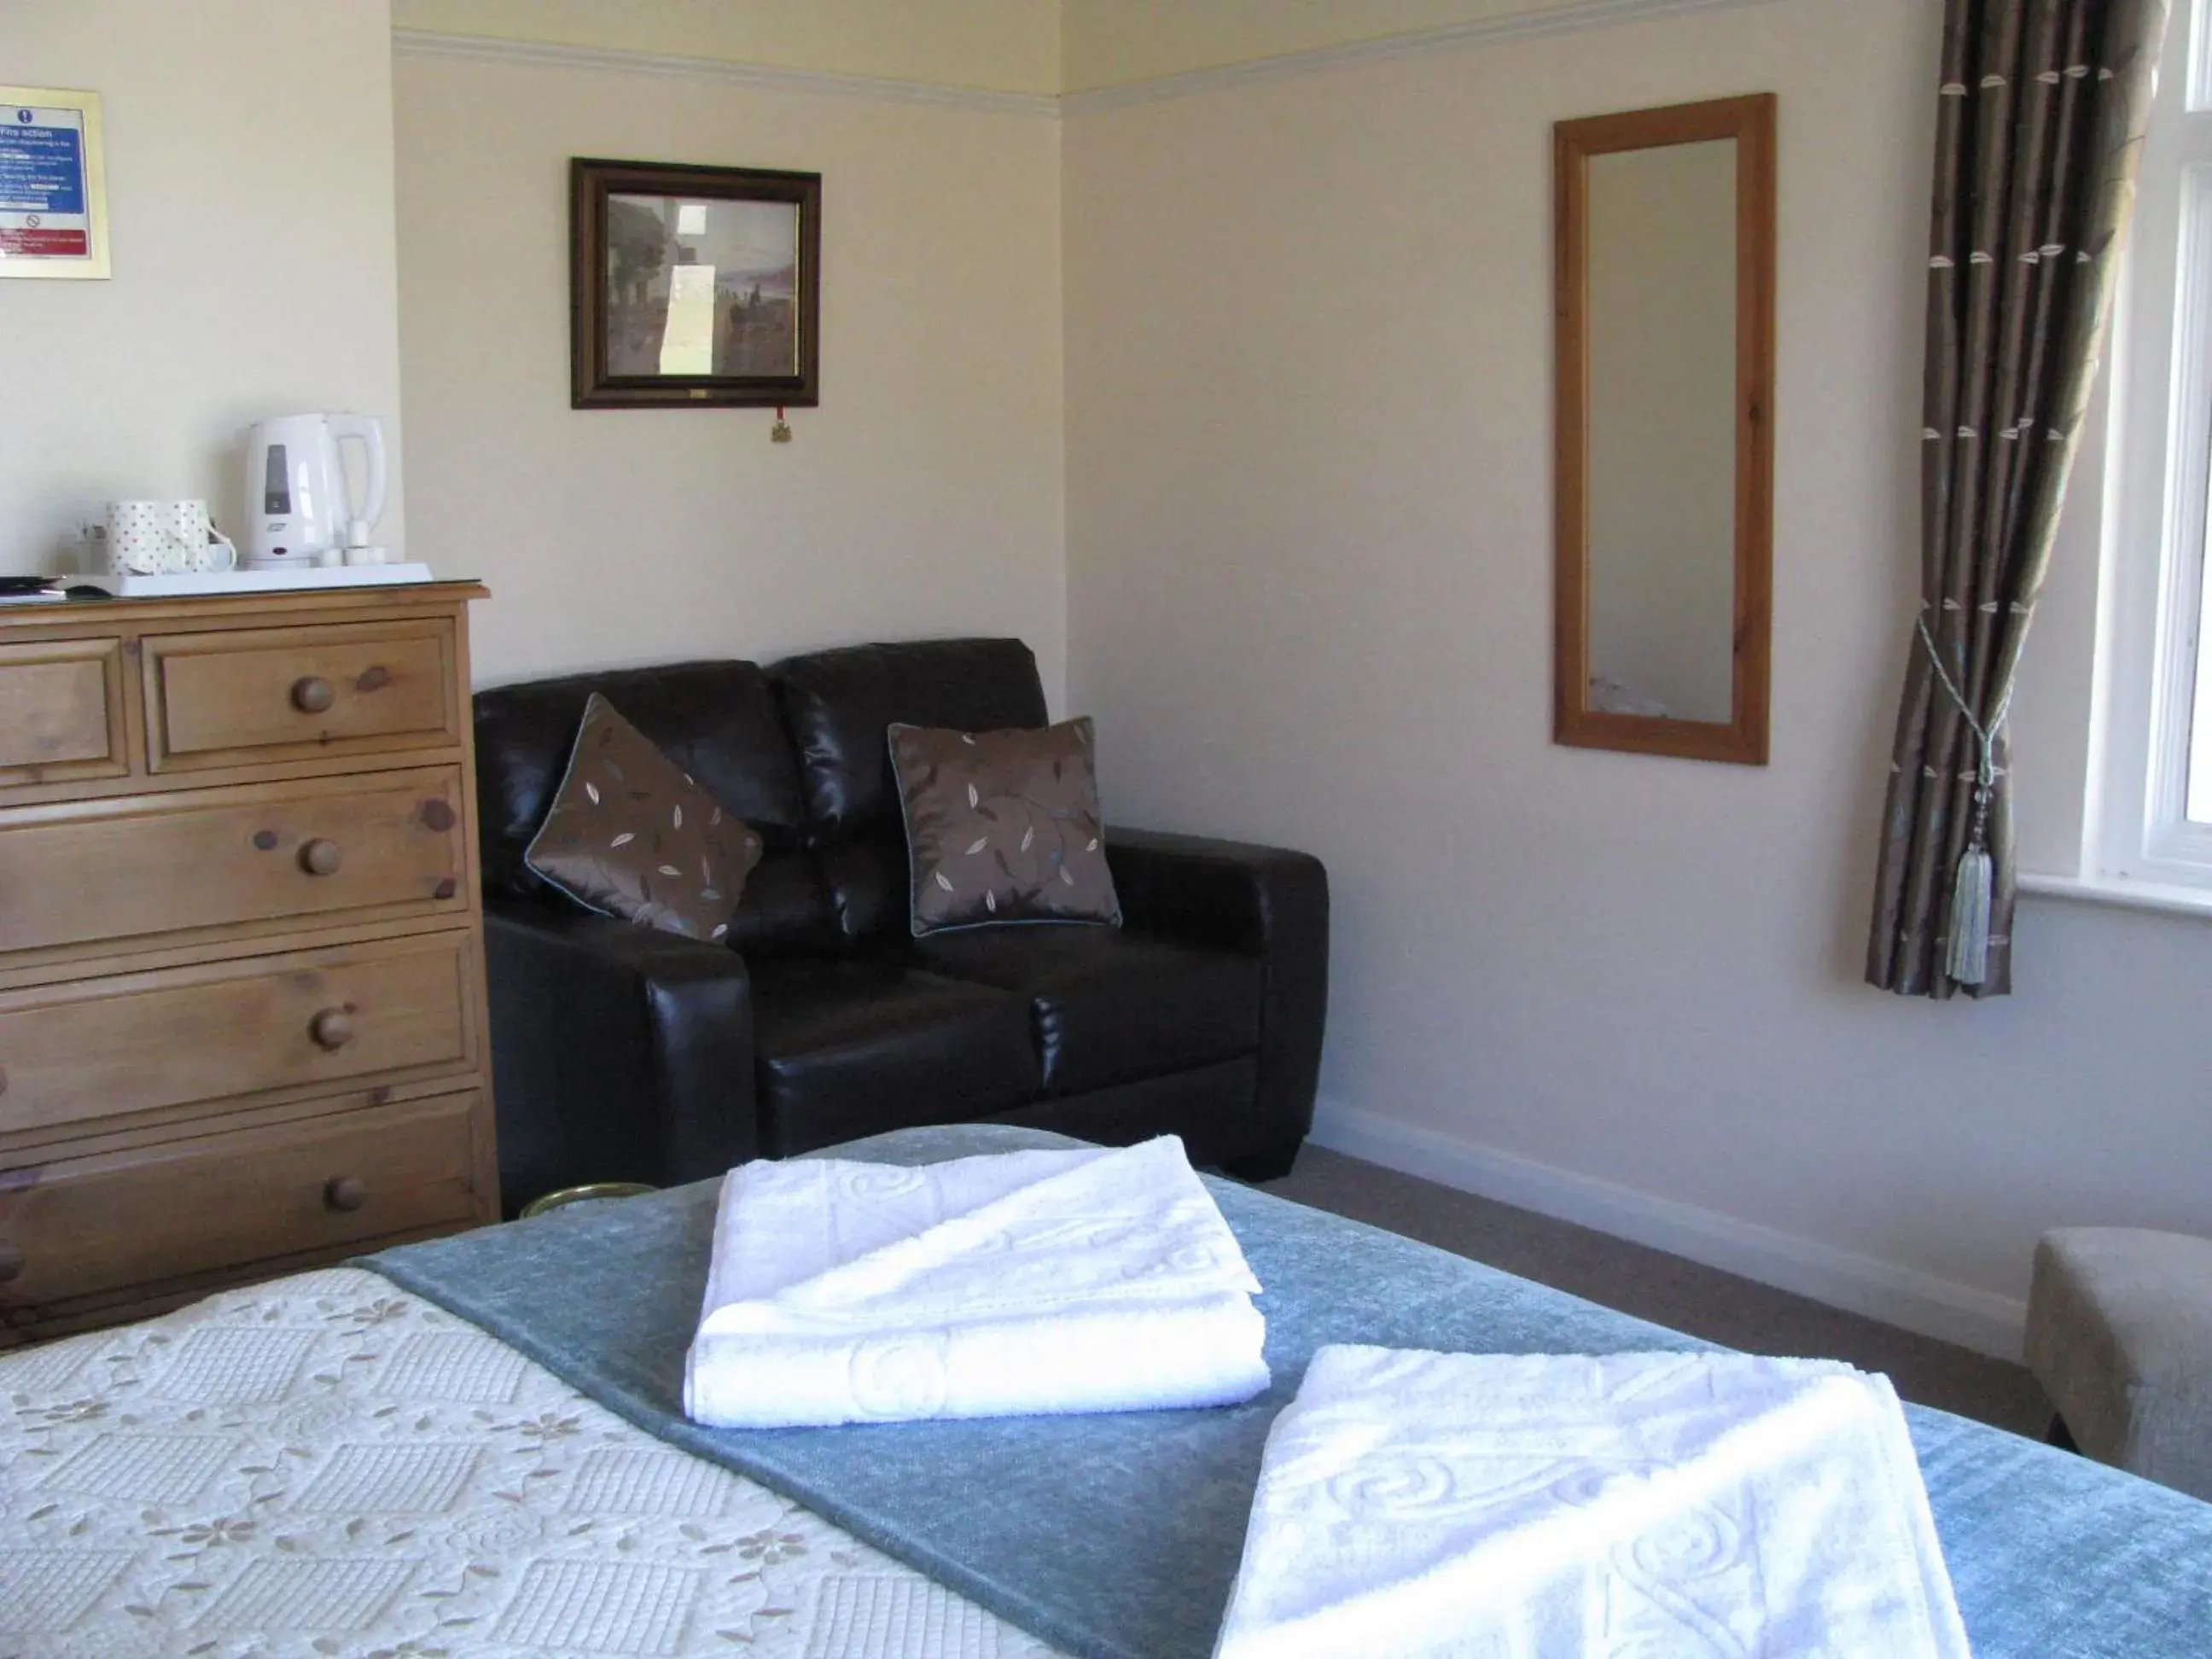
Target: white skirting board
{"points": [[1941, 1308]]}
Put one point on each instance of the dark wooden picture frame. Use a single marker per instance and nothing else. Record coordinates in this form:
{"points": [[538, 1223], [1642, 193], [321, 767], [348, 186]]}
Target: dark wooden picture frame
{"points": [[1750, 121], [763, 311]]}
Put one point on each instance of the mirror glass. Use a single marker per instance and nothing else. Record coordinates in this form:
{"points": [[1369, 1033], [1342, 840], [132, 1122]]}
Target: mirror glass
{"points": [[1661, 423], [1665, 374]]}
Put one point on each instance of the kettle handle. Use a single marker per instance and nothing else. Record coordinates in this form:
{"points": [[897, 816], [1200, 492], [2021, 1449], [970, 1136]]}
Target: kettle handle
{"points": [[365, 428]]}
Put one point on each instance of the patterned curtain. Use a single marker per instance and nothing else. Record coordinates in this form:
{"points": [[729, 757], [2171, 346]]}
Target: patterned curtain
{"points": [[2042, 109]]}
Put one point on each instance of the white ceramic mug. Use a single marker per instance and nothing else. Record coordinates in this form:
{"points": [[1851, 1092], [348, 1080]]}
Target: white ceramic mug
{"points": [[165, 538]]}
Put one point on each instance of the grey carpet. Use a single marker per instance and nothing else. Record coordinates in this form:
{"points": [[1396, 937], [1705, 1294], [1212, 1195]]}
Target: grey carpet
{"points": [[1704, 1301]]}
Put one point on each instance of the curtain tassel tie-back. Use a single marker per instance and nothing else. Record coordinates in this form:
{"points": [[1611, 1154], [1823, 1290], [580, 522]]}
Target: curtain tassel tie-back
{"points": [[1966, 957]]}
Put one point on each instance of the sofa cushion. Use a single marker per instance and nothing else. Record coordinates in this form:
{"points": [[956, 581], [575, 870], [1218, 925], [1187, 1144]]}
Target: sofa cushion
{"points": [[1208, 1108], [1109, 1004], [717, 721], [1003, 826], [838, 705], [631, 834], [849, 1048]]}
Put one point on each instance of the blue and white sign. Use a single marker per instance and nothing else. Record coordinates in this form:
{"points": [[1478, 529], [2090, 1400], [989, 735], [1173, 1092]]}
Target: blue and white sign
{"points": [[51, 205]]}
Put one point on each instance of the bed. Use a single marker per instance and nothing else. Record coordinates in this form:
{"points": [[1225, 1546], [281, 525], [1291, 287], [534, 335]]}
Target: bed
{"points": [[467, 1447]]}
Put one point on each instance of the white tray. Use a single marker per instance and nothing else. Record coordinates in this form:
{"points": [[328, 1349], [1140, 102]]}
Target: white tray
{"points": [[262, 582]]}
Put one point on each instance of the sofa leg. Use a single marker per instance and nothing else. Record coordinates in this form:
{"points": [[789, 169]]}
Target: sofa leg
{"points": [[1269, 1164]]}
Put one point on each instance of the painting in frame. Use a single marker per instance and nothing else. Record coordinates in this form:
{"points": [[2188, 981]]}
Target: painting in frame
{"points": [[693, 287]]}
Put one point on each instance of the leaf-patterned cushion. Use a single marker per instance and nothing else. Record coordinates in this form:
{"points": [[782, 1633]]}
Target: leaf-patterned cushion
{"points": [[631, 834], [1003, 826]]}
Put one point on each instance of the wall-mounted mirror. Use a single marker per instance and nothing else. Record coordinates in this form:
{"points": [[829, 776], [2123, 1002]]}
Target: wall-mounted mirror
{"points": [[1665, 237]]}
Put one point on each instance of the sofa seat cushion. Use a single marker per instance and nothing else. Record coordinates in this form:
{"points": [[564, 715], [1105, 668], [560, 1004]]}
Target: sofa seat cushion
{"points": [[846, 1048], [1110, 1005]]}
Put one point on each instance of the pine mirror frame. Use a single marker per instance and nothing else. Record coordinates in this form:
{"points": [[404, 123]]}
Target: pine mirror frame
{"points": [[1750, 121]]}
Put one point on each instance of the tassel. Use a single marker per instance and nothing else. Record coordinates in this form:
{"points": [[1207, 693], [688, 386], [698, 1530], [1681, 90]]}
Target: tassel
{"points": [[1968, 960]]}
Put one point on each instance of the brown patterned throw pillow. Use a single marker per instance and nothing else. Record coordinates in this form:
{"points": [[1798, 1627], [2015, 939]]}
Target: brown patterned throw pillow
{"points": [[1003, 826], [631, 834]]}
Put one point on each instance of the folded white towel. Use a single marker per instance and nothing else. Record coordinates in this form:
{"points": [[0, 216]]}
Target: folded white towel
{"points": [[1016, 1283], [1426, 1505]]}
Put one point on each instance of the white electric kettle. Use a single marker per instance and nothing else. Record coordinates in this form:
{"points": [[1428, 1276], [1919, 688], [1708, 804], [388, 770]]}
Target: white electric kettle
{"points": [[298, 504]]}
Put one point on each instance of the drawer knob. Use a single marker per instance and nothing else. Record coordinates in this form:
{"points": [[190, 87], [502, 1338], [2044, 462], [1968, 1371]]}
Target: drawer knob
{"points": [[345, 1192], [321, 858], [11, 1260], [332, 1028], [312, 694]]}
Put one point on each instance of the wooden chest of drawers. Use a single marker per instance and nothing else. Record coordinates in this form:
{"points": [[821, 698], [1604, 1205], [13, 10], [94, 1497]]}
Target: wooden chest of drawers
{"points": [[241, 959]]}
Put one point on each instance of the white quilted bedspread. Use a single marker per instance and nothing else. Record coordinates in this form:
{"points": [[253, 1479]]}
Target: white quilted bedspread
{"points": [[325, 1466]]}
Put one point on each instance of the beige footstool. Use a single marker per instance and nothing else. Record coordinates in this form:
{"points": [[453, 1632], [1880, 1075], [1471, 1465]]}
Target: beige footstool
{"points": [[2119, 1333]]}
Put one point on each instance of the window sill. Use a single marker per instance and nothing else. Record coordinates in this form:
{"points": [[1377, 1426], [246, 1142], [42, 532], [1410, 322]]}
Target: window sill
{"points": [[2127, 894]]}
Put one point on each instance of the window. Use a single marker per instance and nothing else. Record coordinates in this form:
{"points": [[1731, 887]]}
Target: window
{"points": [[2153, 822]]}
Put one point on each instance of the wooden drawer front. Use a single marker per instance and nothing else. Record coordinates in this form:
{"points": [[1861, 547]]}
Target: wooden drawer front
{"points": [[61, 711], [276, 694], [71, 1228], [98, 1048], [166, 863]]}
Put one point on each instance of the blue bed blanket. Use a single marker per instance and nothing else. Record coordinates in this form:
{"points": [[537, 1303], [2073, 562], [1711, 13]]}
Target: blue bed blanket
{"points": [[1118, 1536]]}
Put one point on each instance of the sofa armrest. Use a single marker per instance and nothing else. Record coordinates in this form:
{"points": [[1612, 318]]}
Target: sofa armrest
{"points": [[1231, 894], [619, 1052], [1266, 901]]}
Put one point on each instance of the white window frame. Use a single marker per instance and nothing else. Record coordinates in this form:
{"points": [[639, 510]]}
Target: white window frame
{"points": [[2139, 833]]}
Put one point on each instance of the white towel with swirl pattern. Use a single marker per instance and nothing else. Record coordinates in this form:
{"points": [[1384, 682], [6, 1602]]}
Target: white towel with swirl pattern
{"points": [[1010, 1284], [1509, 1507]]}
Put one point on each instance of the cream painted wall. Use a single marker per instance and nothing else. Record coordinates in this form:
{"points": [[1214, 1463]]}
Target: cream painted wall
{"points": [[924, 496], [1105, 43], [999, 45], [251, 237], [1310, 601], [1662, 425]]}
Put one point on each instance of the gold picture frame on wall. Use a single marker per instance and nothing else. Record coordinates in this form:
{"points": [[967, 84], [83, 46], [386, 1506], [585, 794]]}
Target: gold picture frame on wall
{"points": [[53, 184]]}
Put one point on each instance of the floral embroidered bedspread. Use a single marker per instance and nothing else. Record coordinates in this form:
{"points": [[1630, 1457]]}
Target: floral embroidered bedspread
{"points": [[325, 1466]]}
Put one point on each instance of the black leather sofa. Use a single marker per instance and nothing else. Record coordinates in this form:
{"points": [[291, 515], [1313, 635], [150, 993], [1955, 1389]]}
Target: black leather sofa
{"points": [[624, 1054]]}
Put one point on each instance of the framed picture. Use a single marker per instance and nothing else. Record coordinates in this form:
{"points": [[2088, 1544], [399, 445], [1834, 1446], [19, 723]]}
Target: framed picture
{"points": [[693, 287], [53, 184]]}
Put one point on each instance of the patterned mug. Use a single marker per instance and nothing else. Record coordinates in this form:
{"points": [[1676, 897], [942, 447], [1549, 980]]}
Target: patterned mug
{"points": [[165, 538]]}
